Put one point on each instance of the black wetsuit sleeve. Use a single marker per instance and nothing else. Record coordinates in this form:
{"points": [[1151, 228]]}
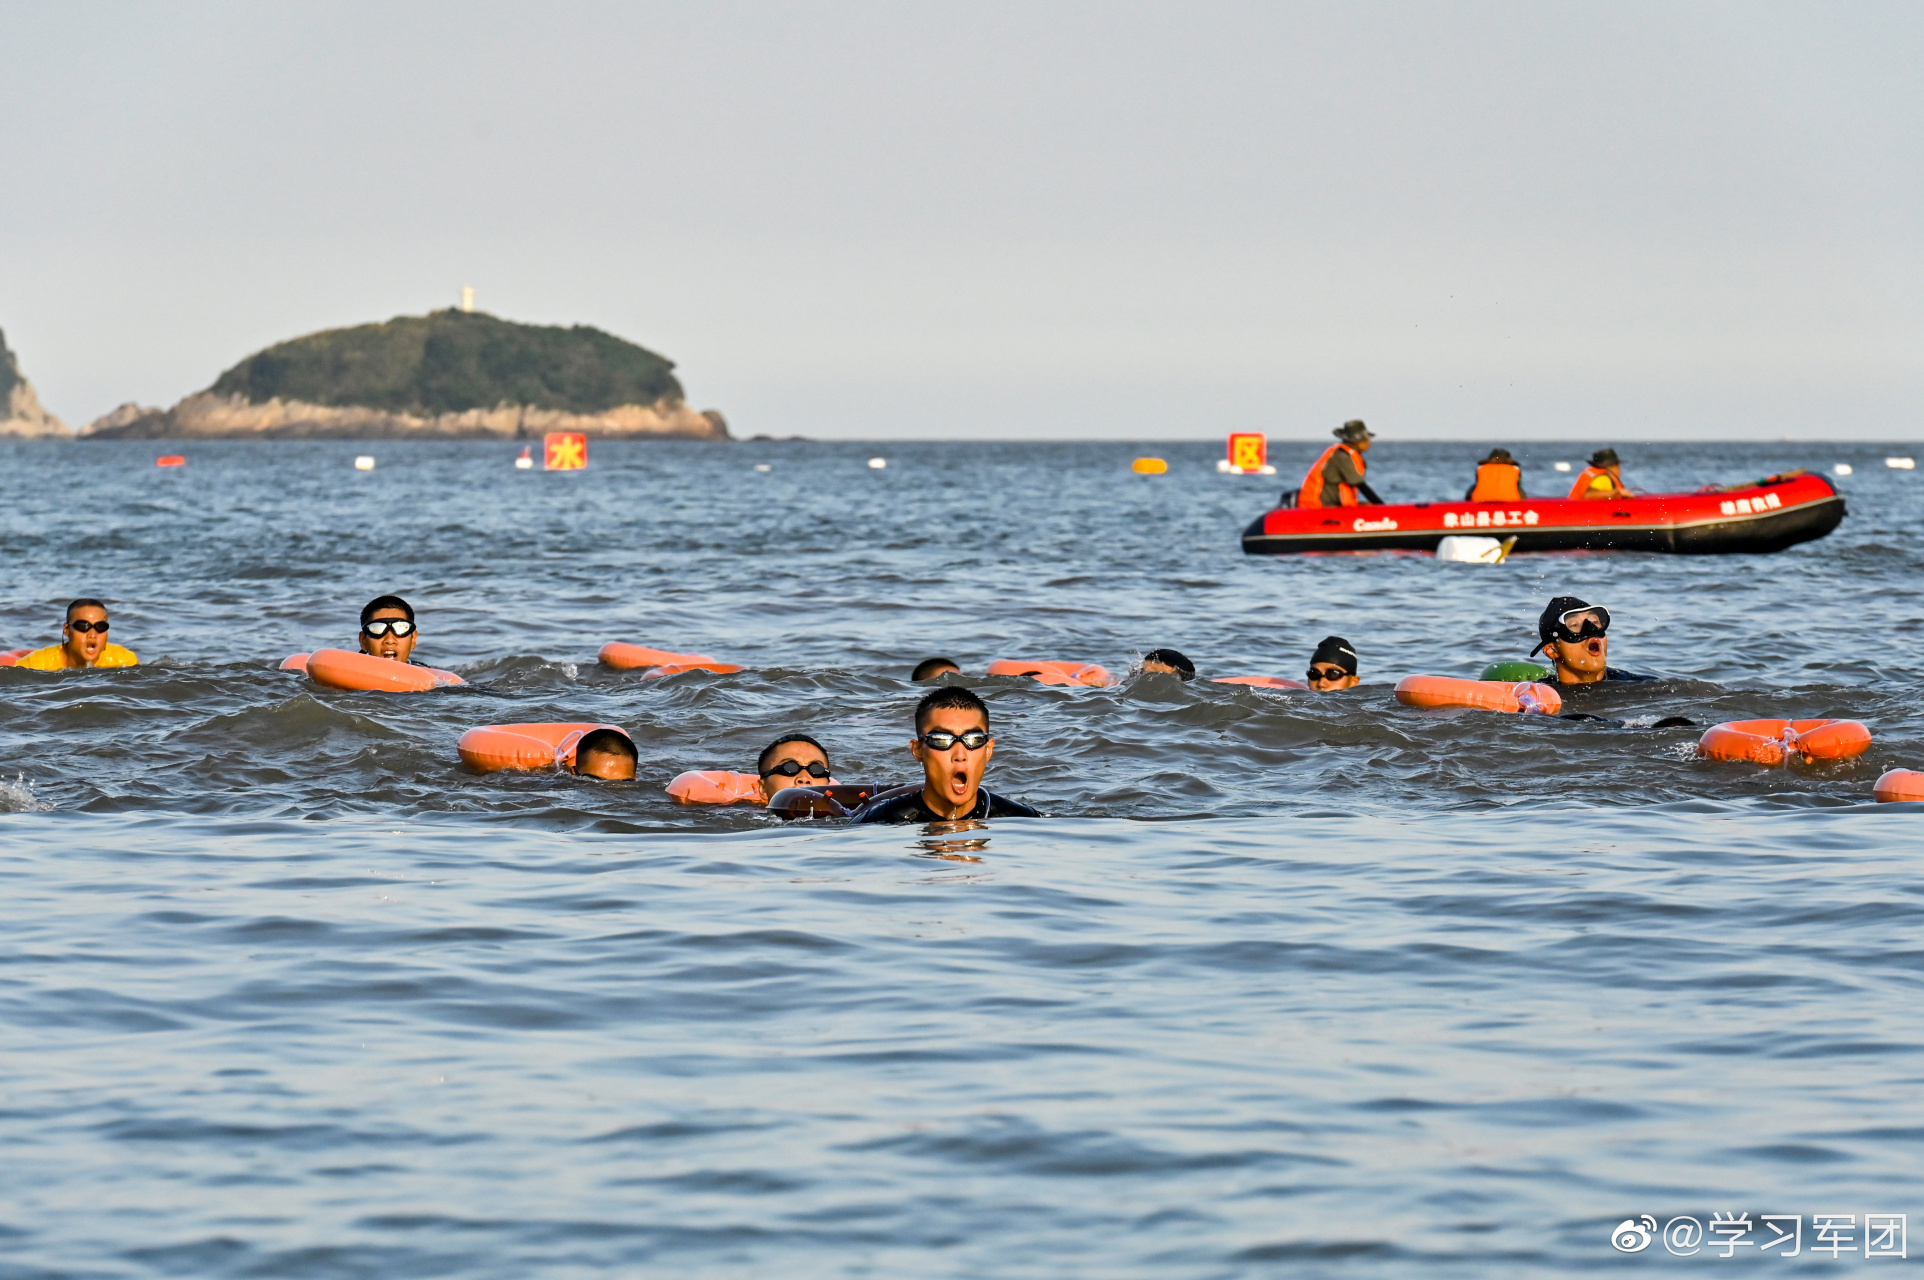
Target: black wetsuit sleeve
{"points": [[1617, 673], [1003, 807]]}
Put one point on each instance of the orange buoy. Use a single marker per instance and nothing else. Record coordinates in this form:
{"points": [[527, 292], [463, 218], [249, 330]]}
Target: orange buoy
{"points": [[825, 800], [716, 786], [659, 662], [1061, 673], [494, 747], [1480, 695], [12, 657], [170, 460], [1899, 784], [340, 669], [295, 662], [1261, 682], [1774, 741]]}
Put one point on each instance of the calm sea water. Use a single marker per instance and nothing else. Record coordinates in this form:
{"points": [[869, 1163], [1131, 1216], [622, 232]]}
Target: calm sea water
{"points": [[1284, 985]]}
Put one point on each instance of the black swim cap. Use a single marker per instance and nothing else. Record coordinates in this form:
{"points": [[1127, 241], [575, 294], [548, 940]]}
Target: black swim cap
{"points": [[1336, 651], [1552, 618], [1170, 658]]}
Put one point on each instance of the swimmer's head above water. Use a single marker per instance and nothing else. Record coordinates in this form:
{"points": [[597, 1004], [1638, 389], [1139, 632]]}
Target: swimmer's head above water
{"points": [[1168, 662], [1571, 634], [387, 628], [84, 633], [953, 744], [608, 754], [792, 760], [1333, 666], [932, 668]]}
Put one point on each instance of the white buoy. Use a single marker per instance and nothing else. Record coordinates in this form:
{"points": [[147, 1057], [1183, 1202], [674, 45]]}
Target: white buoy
{"points": [[1901, 464], [1265, 470], [877, 463], [1561, 466], [1841, 469], [1461, 550], [763, 466], [364, 463], [524, 462], [1227, 468]]}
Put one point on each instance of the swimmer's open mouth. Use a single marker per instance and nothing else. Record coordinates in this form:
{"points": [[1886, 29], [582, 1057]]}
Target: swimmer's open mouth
{"points": [[1595, 647]]}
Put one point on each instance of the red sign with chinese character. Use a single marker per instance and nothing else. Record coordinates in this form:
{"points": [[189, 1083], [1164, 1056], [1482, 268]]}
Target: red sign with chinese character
{"points": [[1248, 450], [566, 451]]}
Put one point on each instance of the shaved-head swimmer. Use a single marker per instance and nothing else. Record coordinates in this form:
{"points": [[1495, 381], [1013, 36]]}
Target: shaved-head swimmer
{"points": [[607, 754], [1168, 662], [934, 669], [953, 745], [1334, 666], [792, 760]]}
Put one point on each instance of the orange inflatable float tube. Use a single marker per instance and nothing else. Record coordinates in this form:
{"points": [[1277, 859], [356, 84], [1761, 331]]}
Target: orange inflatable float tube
{"points": [[716, 786], [295, 662], [659, 662], [494, 747], [1774, 741], [1899, 785], [1057, 673], [1480, 695], [1261, 682], [340, 669], [11, 657]]}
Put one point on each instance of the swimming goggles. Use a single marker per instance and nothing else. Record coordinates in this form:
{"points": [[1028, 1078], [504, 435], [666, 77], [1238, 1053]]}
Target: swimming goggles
{"points": [[942, 739], [82, 625], [1591, 626], [1328, 673], [788, 769], [381, 626]]}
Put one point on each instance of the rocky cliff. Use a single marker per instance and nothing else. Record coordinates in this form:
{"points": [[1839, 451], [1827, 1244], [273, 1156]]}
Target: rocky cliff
{"points": [[450, 374], [20, 411]]}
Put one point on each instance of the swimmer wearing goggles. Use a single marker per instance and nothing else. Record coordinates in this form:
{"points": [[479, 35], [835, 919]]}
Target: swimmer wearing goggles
{"points": [[1573, 635], [792, 760], [387, 628], [1333, 666], [953, 745], [83, 643]]}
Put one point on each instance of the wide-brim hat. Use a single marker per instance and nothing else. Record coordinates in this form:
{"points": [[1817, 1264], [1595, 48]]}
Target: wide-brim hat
{"points": [[1604, 458], [1352, 431]]}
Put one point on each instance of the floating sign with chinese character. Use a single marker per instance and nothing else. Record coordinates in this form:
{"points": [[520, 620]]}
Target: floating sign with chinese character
{"points": [[1248, 450], [566, 451]]}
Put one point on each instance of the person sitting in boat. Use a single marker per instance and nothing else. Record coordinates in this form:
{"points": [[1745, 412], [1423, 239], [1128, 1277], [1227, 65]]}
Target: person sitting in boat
{"points": [[1167, 662], [1336, 478], [387, 628], [792, 760], [1603, 478], [933, 669], [607, 754], [1333, 666], [1498, 479], [953, 744], [83, 643], [1571, 634]]}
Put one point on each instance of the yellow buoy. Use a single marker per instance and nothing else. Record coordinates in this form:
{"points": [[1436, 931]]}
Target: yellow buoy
{"points": [[1149, 466]]}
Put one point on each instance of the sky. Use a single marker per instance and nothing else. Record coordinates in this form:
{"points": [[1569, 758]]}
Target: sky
{"points": [[1634, 221]]}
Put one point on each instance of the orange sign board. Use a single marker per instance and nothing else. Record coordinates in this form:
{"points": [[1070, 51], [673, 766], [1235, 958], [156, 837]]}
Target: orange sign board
{"points": [[566, 451], [1248, 450]]}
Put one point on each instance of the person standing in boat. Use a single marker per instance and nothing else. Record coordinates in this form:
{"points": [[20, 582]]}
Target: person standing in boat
{"points": [[1603, 478], [1336, 478], [1498, 479]]}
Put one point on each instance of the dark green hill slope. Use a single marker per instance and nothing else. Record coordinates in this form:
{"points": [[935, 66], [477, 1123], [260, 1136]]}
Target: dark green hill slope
{"points": [[452, 361]]}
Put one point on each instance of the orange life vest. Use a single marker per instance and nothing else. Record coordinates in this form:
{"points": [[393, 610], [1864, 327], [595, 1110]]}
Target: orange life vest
{"points": [[1498, 482], [1312, 492], [1582, 489]]}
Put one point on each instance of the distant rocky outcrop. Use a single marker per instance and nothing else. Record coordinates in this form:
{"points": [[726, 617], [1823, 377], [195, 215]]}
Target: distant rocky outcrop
{"points": [[450, 374], [20, 411]]}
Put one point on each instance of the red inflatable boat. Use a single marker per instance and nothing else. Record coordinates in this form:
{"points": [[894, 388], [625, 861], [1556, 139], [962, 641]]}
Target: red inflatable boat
{"points": [[1776, 512]]}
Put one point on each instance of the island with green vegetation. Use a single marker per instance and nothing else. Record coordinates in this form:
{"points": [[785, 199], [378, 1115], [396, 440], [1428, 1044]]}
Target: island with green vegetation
{"points": [[449, 374]]}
